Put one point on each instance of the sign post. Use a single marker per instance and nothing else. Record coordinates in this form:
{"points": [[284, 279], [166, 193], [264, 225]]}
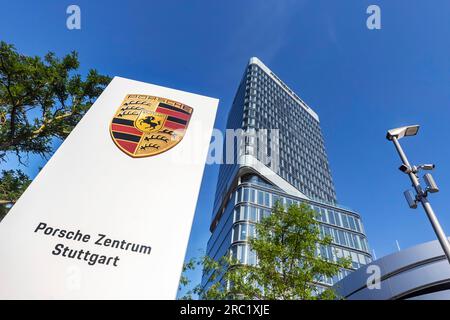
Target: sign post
{"points": [[109, 215]]}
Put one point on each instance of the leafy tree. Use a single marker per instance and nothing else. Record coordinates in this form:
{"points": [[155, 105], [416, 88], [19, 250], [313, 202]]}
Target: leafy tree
{"points": [[288, 265], [41, 99], [12, 185]]}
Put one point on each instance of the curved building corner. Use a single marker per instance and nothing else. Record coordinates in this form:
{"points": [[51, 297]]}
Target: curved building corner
{"points": [[418, 273]]}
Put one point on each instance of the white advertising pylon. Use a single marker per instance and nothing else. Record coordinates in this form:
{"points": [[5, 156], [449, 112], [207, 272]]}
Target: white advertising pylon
{"points": [[109, 215]]}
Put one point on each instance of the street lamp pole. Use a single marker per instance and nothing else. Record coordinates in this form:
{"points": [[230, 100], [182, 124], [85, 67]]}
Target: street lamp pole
{"points": [[421, 195]]}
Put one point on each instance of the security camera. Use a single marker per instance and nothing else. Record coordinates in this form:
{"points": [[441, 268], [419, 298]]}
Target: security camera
{"points": [[404, 168], [409, 196], [431, 184], [427, 166]]}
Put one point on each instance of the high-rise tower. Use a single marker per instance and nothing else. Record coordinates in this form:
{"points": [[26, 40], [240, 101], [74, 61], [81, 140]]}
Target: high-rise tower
{"points": [[291, 167]]}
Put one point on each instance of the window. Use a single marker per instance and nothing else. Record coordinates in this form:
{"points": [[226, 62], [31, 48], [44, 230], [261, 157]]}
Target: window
{"points": [[342, 237], [276, 198], [267, 199], [364, 244], [264, 213], [239, 252], [330, 253], [362, 259], [236, 232], [252, 214], [358, 227], [237, 214], [352, 222], [251, 230], [288, 202], [351, 240], [335, 236], [242, 253], [252, 195], [240, 232], [345, 221], [260, 198], [357, 242], [323, 215], [327, 231], [323, 252], [246, 195], [234, 250], [244, 213], [337, 219], [251, 257], [243, 232], [331, 217]]}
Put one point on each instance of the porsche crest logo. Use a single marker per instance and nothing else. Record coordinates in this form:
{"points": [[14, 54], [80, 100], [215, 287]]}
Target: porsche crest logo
{"points": [[145, 125]]}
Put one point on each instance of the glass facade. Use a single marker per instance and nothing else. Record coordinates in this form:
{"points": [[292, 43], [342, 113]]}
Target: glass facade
{"points": [[265, 102], [243, 197]]}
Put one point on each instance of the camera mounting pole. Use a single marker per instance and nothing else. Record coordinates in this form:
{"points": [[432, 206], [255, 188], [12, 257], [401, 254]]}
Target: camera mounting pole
{"points": [[394, 135]]}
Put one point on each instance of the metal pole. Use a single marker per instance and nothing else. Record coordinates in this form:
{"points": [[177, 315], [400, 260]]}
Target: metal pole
{"points": [[425, 203]]}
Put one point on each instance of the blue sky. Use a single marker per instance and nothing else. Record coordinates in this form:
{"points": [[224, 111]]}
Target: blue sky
{"points": [[360, 82]]}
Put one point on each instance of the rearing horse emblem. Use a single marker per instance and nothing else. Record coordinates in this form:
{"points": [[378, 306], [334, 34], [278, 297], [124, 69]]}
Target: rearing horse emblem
{"points": [[149, 122], [146, 125]]}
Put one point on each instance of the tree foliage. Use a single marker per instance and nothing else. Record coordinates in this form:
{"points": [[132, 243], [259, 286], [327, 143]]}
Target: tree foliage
{"points": [[12, 184], [41, 99], [289, 266]]}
